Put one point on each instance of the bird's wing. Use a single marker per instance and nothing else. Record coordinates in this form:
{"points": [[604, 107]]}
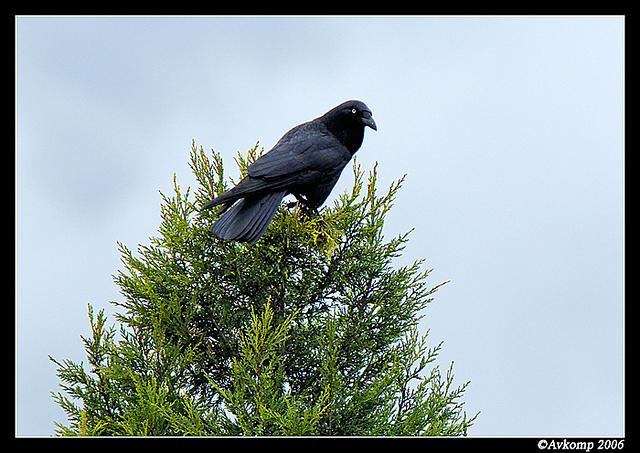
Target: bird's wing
{"points": [[306, 154], [298, 154]]}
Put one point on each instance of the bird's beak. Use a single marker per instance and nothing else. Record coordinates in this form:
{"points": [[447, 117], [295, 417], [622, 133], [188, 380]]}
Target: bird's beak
{"points": [[367, 119]]}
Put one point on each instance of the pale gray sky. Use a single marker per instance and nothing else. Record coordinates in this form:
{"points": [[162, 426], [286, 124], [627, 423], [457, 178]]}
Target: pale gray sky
{"points": [[510, 130]]}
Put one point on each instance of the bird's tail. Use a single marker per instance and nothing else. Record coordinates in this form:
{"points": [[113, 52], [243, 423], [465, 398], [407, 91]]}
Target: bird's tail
{"points": [[248, 219]]}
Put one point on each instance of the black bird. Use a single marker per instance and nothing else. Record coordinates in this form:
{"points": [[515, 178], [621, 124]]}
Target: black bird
{"points": [[306, 162]]}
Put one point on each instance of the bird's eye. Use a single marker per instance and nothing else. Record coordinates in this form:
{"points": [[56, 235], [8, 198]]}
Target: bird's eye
{"points": [[353, 111]]}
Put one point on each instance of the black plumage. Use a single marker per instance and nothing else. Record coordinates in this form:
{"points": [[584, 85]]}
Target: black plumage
{"points": [[306, 162]]}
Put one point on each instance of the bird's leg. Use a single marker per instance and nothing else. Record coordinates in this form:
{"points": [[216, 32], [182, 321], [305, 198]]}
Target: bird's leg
{"points": [[309, 211], [292, 204], [300, 199], [306, 208]]}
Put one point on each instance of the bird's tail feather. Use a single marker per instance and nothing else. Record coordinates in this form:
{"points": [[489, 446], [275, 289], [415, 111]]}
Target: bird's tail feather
{"points": [[247, 220], [249, 187]]}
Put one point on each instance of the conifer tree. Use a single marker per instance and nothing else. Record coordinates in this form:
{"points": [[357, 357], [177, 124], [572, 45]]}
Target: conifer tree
{"points": [[310, 331]]}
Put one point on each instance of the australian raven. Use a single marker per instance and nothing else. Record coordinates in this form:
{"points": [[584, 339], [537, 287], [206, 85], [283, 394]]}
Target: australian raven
{"points": [[306, 162]]}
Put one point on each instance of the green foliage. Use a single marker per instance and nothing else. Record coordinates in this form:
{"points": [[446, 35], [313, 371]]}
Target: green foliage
{"points": [[310, 331], [258, 400]]}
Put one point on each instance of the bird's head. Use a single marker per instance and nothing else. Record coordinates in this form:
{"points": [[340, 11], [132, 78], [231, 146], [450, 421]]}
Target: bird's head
{"points": [[347, 122], [354, 113]]}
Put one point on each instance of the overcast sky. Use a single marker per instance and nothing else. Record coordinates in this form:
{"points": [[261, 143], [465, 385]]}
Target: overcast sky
{"points": [[510, 130]]}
